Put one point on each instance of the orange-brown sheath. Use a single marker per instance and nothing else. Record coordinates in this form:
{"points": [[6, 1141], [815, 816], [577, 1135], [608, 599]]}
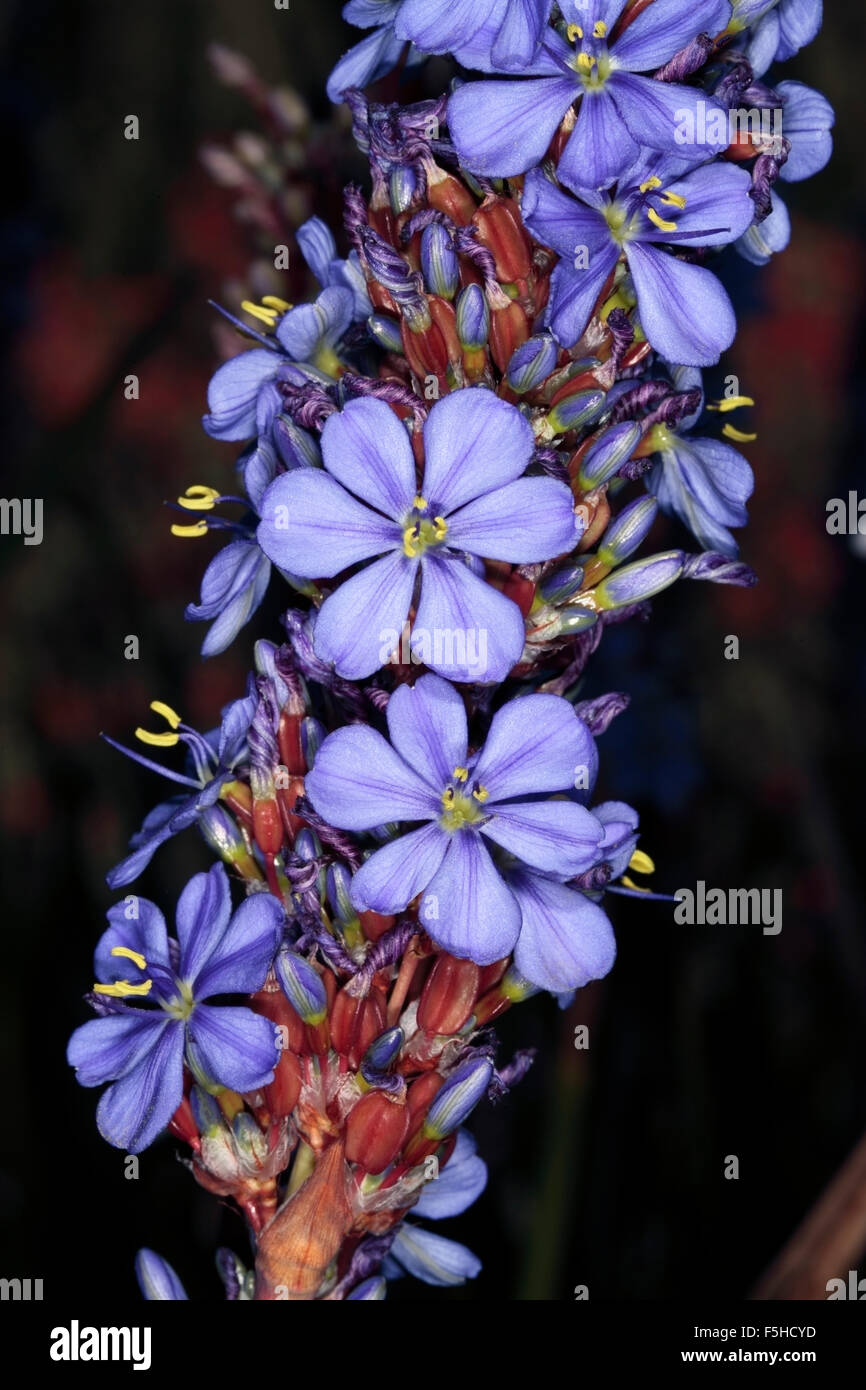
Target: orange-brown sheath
{"points": [[299, 1244]]}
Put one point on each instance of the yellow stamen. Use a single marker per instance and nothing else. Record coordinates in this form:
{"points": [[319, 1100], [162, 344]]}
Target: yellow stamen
{"points": [[267, 316], [410, 542], [649, 184], [199, 498], [627, 883], [440, 526], [165, 740], [135, 956], [123, 988], [599, 29], [573, 32], [585, 62], [675, 200], [729, 403], [169, 715], [659, 222], [481, 794], [739, 436], [460, 774], [273, 302], [641, 863], [419, 502], [198, 528]]}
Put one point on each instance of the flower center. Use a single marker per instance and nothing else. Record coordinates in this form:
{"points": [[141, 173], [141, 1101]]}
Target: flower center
{"points": [[421, 530], [592, 62], [460, 806]]}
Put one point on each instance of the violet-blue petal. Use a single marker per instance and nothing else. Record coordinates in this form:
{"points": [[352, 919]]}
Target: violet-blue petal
{"points": [[566, 939], [313, 527], [133, 1111], [535, 744], [233, 586], [104, 1049], [529, 520], [432, 1258], [233, 393], [620, 824], [664, 27], [355, 625], [156, 1279], [376, 54], [558, 837], [718, 206], [359, 782], [203, 912], [807, 119], [457, 1185], [706, 483], [427, 726], [473, 442], [656, 112], [400, 870], [240, 962], [233, 1045], [522, 26], [304, 329], [504, 128], [799, 22], [464, 628], [467, 908], [764, 239], [684, 311], [157, 827], [367, 449], [318, 247], [599, 147], [563, 223], [573, 294], [436, 26], [144, 933]]}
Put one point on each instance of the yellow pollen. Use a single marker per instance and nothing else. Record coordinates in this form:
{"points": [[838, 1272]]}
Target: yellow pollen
{"points": [[164, 740], [460, 774], [123, 988], [729, 403], [599, 29], [739, 436], [649, 184], [573, 32], [675, 200], [641, 863], [481, 794], [198, 528], [199, 498], [410, 542], [267, 316], [585, 62], [419, 502], [272, 302], [135, 956], [440, 526], [660, 222]]}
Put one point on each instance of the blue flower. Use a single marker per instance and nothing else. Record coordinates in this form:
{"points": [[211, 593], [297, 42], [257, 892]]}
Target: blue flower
{"points": [[213, 758], [142, 1050], [703, 481], [684, 312], [504, 128], [157, 1279], [232, 587], [434, 1258], [473, 501], [319, 250], [468, 804], [777, 28]]}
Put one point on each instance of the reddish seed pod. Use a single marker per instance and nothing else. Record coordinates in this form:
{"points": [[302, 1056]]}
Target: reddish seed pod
{"points": [[448, 995], [274, 1005], [355, 1023], [509, 328], [375, 924], [421, 1092], [492, 974], [375, 1131], [449, 195], [281, 1094], [502, 232], [268, 826]]}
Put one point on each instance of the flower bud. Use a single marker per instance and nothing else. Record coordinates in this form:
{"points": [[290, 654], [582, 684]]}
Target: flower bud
{"points": [[448, 995], [372, 1290], [222, 834], [563, 584], [375, 1131], [338, 881], [402, 187], [382, 1052], [308, 845], [312, 738], [303, 986], [386, 331], [639, 581], [439, 261], [608, 455], [459, 1096], [627, 531], [576, 410], [158, 1281], [296, 447], [532, 363], [473, 317]]}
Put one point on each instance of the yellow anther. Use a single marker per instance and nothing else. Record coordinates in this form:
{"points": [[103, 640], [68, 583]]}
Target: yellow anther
{"points": [[460, 774], [272, 302], [440, 526], [641, 863], [410, 542], [123, 988], [197, 528], [267, 316], [585, 62], [675, 200], [649, 184], [448, 796], [419, 502], [573, 32], [660, 222], [729, 403], [165, 740], [599, 29], [627, 883], [481, 794], [738, 436], [199, 498], [135, 956]]}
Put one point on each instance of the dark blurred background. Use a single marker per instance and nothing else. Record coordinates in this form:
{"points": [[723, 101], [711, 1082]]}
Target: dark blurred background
{"points": [[607, 1165]]}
